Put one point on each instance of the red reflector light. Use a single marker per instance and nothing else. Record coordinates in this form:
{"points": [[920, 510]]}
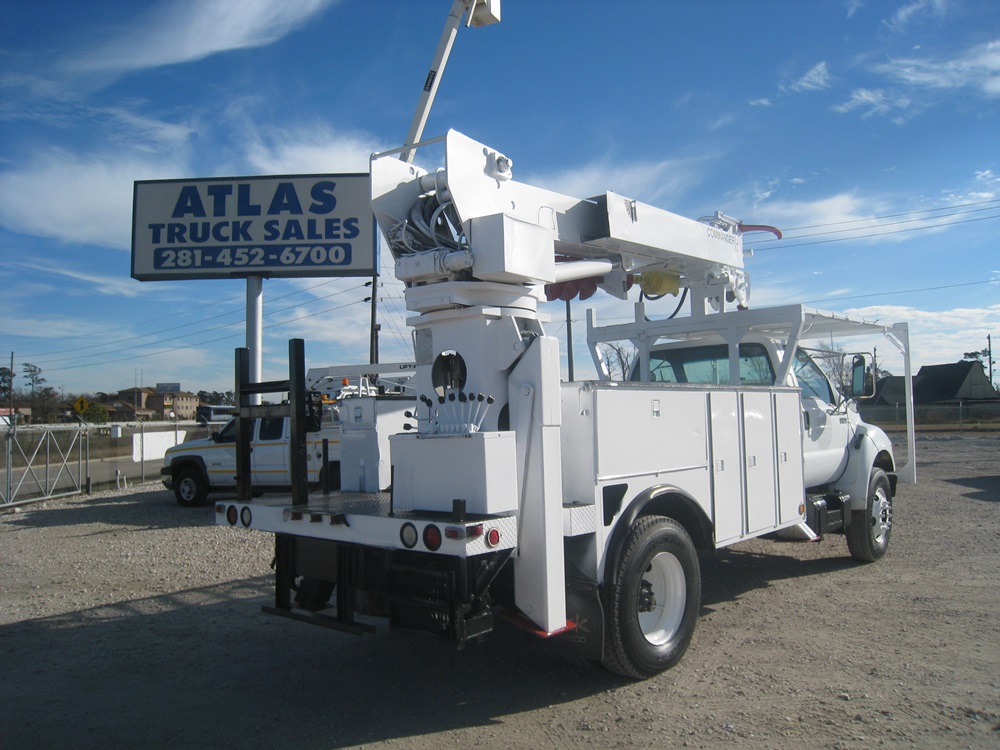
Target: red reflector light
{"points": [[432, 537], [474, 531], [232, 515], [493, 537]]}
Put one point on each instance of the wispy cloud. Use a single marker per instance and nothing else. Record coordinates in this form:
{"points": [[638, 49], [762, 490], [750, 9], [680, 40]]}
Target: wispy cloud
{"points": [[916, 11], [654, 181], [310, 150], [873, 102], [79, 199], [815, 79], [936, 336], [977, 69], [184, 31], [115, 285], [840, 209]]}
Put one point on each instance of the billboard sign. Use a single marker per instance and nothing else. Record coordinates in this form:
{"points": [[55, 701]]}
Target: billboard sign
{"points": [[275, 226]]}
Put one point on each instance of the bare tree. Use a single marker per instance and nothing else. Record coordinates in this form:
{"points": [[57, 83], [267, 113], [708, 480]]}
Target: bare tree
{"points": [[618, 359], [834, 362]]}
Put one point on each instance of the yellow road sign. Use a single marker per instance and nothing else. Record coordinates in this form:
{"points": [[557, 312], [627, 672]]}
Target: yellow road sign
{"points": [[81, 405]]}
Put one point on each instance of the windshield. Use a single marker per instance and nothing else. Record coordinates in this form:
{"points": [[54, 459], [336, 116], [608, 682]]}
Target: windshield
{"points": [[709, 364], [228, 433]]}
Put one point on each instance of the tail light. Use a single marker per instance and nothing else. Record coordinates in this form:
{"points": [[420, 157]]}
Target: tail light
{"points": [[432, 537]]}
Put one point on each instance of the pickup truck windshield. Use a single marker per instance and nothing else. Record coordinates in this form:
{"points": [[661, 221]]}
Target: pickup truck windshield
{"points": [[709, 364], [228, 433]]}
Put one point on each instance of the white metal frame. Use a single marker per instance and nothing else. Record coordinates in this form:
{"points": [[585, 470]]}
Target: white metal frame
{"points": [[790, 324]]}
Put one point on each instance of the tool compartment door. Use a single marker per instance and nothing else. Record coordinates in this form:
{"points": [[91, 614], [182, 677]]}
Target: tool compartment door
{"points": [[727, 476], [759, 461], [788, 430]]}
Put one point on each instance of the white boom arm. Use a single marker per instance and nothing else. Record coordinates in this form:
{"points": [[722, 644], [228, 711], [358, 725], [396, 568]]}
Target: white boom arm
{"points": [[473, 221]]}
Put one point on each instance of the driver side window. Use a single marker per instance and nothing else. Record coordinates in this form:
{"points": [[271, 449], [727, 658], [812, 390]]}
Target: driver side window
{"points": [[811, 379]]}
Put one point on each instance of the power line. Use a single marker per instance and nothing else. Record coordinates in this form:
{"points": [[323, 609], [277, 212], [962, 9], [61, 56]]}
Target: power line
{"points": [[160, 342], [192, 345], [784, 246], [175, 326], [894, 216], [907, 291], [887, 224]]}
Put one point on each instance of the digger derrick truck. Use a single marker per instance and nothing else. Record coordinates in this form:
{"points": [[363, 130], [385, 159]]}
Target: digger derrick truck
{"points": [[577, 509]]}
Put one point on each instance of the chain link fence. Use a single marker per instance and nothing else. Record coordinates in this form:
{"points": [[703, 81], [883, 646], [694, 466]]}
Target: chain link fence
{"points": [[971, 416], [37, 463]]}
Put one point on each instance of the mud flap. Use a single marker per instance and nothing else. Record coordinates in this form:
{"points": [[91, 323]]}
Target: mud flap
{"points": [[583, 607]]}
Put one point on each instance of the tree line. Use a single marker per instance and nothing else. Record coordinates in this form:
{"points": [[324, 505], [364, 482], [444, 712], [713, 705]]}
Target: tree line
{"points": [[48, 404]]}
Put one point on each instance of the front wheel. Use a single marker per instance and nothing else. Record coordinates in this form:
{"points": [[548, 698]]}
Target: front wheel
{"points": [[652, 606], [190, 488], [868, 534]]}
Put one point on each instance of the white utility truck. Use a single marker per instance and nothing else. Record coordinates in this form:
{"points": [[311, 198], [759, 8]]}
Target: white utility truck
{"points": [[577, 509], [358, 403]]}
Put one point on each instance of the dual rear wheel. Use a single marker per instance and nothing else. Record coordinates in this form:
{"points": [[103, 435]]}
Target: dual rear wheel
{"points": [[653, 600]]}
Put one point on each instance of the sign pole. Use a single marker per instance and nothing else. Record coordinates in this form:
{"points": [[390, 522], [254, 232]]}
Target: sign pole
{"points": [[255, 330]]}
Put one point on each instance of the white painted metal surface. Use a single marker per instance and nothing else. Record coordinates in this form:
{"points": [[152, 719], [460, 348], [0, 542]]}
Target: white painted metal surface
{"points": [[433, 470]]}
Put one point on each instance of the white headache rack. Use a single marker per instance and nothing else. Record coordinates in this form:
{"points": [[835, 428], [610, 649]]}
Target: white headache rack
{"points": [[788, 324]]}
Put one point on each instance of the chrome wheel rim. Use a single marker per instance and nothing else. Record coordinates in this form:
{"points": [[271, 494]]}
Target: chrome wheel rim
{"points": [[881, 515], [662, 596]]}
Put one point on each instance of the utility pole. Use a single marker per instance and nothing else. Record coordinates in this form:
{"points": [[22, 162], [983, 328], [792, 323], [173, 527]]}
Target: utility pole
{"points": [[989, 354]]}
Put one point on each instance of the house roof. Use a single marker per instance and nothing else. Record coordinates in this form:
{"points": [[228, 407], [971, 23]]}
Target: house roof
{"points": [[933, 384], [941, 382]]}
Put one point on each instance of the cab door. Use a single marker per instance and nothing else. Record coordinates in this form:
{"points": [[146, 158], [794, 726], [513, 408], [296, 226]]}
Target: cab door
{"points": [[269, 451], [826, 429]]}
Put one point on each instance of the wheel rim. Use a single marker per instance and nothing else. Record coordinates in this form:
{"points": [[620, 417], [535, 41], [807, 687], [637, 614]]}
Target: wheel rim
{"points": [[662, 596], [881, 515], [187, 489]]}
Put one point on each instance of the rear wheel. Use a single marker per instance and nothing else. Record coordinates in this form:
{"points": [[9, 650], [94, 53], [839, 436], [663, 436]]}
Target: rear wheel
{"points": [[190, 488], [652, 607], [868, 534]]}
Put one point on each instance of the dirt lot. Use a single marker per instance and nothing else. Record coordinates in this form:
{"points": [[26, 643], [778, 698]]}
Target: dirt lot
{"points": [[127, 621]]}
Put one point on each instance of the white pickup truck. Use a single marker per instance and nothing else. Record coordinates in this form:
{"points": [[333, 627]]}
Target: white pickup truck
{"points": [[360, 411], [197, 467]]}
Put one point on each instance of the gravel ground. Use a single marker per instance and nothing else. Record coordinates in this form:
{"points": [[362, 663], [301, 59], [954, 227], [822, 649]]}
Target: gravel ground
{"points": [[127, 621]]}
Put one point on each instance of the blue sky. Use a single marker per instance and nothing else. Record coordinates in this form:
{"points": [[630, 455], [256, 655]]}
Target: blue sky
{"points": [[867, 131]]}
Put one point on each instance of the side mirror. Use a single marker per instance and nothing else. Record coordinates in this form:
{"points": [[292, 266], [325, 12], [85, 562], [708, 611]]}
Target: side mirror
{"points": [[862, 383], [215, 435]]}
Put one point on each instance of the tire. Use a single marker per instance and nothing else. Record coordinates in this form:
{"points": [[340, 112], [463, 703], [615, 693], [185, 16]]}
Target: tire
{"points": [[190, 488], [652, 607], [870, 529]]}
